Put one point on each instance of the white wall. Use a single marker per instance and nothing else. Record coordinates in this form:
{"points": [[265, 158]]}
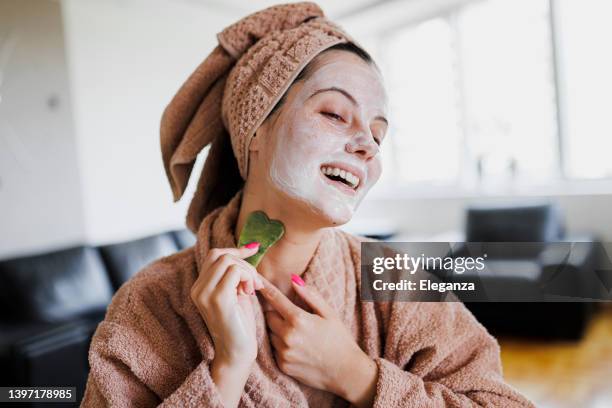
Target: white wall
{"points": [[126, 61], [95, 175], [428, 217], [40, 195], [89, 168]]}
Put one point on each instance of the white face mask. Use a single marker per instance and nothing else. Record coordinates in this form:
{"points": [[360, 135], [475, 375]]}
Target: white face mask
{"points": [[311, 135]]}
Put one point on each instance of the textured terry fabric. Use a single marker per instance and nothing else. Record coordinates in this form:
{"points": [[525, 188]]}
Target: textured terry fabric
{"points": [[233, 90], [154, 348]]}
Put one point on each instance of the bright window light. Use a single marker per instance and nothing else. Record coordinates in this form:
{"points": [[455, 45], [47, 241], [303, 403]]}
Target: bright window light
{"points": [[472, 95], [584, 33], [508, 83], [419, 68]]}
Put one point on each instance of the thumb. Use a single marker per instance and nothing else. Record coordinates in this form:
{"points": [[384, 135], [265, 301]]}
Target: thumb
{"points": [[311, 297]]}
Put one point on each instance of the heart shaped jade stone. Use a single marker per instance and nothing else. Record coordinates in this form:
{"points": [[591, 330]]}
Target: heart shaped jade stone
{"points": [[260, 228]]}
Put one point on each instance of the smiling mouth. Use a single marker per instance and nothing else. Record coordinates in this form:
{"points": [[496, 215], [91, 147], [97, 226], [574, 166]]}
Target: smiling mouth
{"points": [[343, 177]]}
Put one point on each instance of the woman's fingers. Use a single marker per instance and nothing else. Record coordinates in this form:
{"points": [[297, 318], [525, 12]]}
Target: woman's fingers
{"points": [[217, 270], [232, 277], [243, 252], [285, 307], [277, 343], [312, 298], [275, 322], [257, 280]]}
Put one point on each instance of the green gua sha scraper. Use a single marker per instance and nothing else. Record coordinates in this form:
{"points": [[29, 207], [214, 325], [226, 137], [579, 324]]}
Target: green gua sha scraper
{"points": [[260, 228]]}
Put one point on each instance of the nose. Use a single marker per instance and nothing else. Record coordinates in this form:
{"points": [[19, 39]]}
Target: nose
{"points": [[363, 145]]}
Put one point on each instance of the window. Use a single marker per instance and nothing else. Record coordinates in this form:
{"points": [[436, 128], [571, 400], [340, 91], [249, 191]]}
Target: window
{"points": [[508, 87], [478, 94], [585, 59], [423, 102]]}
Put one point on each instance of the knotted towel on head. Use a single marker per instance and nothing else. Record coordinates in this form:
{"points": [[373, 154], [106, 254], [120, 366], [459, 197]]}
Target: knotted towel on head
{"points": [[232, 91]]}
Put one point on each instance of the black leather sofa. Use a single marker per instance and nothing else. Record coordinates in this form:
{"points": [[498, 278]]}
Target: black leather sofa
{"points": [[520, 273], [51, 304]]}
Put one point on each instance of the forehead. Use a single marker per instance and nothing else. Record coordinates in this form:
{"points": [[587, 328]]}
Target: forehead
{"points": [[346, 70]]}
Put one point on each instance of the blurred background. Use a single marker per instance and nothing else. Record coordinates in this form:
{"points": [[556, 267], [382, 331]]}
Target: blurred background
{"points": [[500, 131]]}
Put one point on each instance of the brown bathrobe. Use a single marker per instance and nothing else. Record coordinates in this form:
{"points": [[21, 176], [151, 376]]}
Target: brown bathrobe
{"points": [[154, 348]]}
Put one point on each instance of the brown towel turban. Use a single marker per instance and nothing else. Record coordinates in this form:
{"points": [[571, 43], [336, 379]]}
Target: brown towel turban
{"points": [[233, 90]]}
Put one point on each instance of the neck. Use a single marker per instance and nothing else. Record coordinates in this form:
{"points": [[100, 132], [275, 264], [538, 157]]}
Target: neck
{"points": [[290, 254]]}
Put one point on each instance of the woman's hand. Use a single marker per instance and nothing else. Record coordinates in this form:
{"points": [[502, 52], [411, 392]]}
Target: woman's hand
{"points": [[316, 348], [221, 294]]}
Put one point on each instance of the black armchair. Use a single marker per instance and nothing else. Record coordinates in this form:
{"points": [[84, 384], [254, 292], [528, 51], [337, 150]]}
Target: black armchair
{"points": [[521, 273], [51, 304]]}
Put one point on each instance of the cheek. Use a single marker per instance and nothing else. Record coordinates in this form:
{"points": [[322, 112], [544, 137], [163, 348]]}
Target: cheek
{"points": [[312, 138], [374, 170]]}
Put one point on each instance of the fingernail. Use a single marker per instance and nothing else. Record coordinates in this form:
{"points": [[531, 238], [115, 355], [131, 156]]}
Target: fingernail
{"points": [[252, 245], [298, 280]]}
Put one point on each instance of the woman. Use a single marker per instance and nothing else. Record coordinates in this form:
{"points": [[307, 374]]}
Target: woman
{"points": [[295, 112]]}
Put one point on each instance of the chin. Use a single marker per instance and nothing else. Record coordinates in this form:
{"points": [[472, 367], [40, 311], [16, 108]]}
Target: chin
{"points": [[317, 201], [323, 214], [333, 216]]}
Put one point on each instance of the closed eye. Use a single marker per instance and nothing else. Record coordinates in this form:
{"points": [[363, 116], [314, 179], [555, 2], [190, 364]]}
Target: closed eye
{"points": [[332, 115]]}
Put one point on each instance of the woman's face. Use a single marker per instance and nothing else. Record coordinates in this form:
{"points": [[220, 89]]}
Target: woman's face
{"points": [[321, 148]]}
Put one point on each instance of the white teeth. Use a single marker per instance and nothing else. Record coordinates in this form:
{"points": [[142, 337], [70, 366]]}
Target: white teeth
{"points": [[335, 171]]}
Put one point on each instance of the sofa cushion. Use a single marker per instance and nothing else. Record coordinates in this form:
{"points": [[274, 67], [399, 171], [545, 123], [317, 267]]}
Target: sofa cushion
{"points": [[184, 238], [124, 259], [514, 223], [54, 286]]}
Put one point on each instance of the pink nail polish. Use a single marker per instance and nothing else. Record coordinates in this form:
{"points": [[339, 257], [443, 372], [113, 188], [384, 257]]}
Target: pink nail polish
{"points": [[252, 245], [298, 280]]}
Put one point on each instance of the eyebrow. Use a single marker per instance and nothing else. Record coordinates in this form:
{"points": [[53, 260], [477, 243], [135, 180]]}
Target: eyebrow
{"points": [[348, 96]]}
